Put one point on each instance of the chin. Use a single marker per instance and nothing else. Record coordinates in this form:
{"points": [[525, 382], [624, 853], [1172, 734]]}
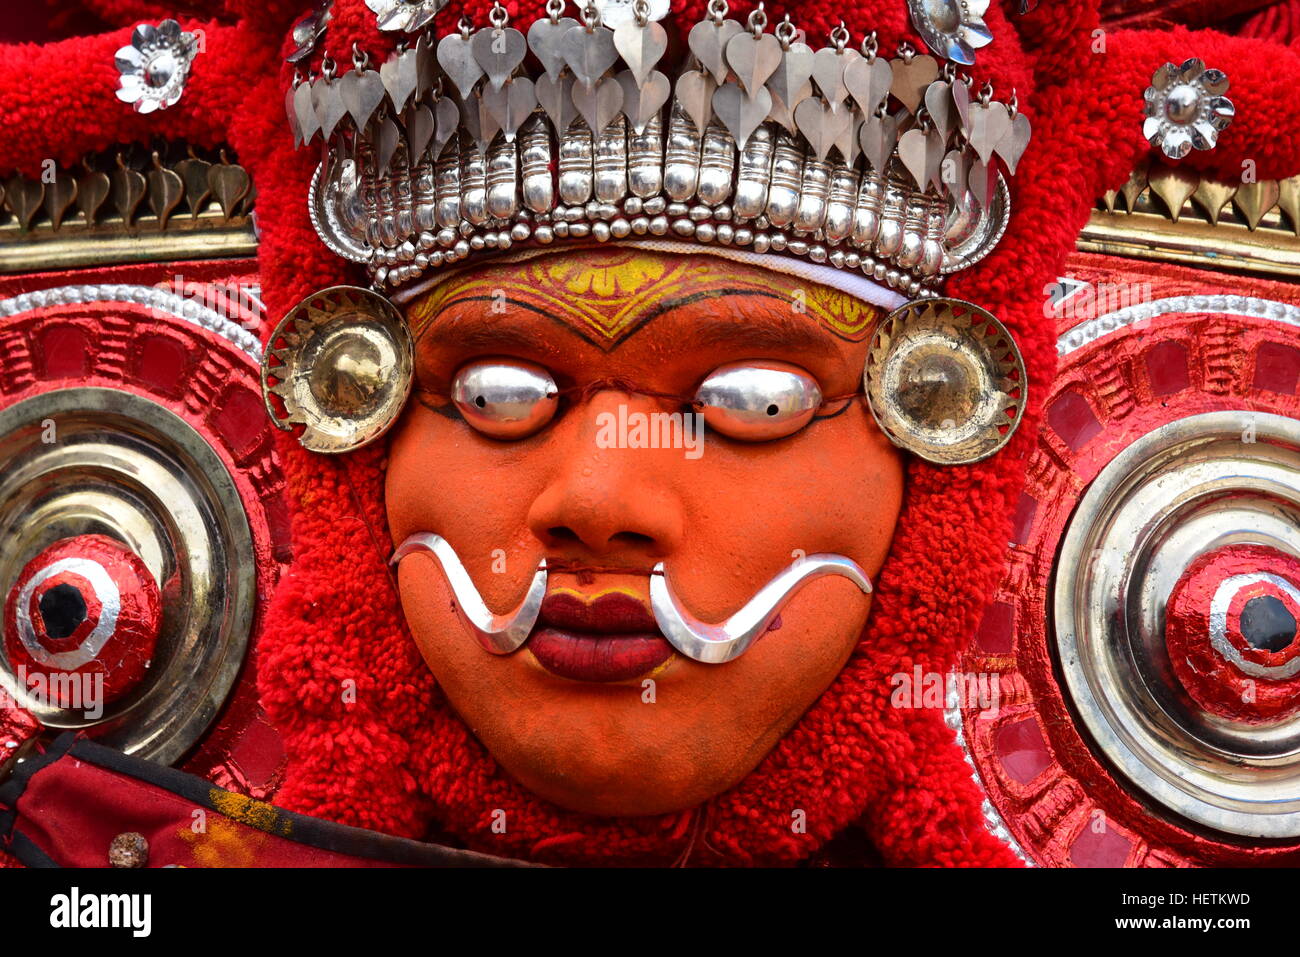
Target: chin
{"points": [[601, 748], [622, 777]]}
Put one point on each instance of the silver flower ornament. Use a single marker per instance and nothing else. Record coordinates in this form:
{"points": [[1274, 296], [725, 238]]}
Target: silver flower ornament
{"points": [[154, 67], [1186, 108], [308, 31], [954, 29], [405, 15]]}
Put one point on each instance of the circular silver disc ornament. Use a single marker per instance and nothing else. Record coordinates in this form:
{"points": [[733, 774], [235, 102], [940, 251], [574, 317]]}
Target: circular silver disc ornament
{"points": [[123, 466], [1188, 488], [340, 364], [945, 381]]}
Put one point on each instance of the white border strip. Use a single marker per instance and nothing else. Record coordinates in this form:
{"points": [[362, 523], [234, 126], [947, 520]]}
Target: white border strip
{"points": [[1089, 332], [149, 296], [993, 821]]}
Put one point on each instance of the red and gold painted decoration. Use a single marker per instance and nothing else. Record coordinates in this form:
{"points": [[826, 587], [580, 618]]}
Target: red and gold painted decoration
{"points": [[1231, 631], [1064, 804], [609, 293], [86, 606], [100, 329]]}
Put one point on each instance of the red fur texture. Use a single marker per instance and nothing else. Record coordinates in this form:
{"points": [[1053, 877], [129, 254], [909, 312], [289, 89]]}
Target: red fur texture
{"points": [[399, 759]]}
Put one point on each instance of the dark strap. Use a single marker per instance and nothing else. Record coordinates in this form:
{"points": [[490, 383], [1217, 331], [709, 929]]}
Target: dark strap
{"points": [[64, 807]]}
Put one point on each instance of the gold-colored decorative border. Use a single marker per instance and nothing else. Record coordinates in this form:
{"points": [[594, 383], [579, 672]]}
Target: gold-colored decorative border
{"points": [[131, 205], [128, 205], [1170, 214]]}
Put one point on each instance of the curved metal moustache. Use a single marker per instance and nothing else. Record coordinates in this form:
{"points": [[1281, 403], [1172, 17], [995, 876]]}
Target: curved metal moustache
{"points": [[718, 644], [498, 634], [698, 640]]}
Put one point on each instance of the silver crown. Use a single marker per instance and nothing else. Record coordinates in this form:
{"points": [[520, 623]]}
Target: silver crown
{"points": [[465, 145]]}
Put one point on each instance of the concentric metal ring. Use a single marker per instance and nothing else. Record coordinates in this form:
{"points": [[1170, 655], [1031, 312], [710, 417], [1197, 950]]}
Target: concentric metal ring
{"points": [[123, 466], [1189, 487]]}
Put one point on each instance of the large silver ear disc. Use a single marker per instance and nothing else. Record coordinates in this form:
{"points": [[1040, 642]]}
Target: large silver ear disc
{"points": [[339, 365], [945, 381]]}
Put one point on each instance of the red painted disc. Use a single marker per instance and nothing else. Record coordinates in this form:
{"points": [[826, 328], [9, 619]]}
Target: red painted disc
{"points": [[86, 607]]}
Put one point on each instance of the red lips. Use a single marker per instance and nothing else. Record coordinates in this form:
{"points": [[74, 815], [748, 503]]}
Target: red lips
{"points": [[612, 638]]}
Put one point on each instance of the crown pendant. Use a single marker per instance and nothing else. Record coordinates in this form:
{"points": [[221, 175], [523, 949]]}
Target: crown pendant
{"points": [[464, 145]]}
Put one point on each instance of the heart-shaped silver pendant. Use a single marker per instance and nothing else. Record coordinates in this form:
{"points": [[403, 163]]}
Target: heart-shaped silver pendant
{"points": [[598, 104], [419, 131], [328, 104], [791, 78], [695, 94], [1013, 143], [911, 153], [457, 61], [589, 53], [544, 40], [821, 126], [447, 118], [828, 73], [847, 141], [487, 123], [961, 103], [499, 50], [305, 109], [708, 41], [641, 47], [739, 112], [753, 58], [989, 122], [403, 79], [511, 104], [386, 145], [879, 136], [956, 171], [939, 105], [782, 112], [362, 92], [911, 78], [556, 97], [980, 181], [642, 102], [292, 115], [426, 64], [868, 82]]}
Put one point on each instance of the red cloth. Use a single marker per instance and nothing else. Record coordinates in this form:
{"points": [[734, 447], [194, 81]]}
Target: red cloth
{"points": [[65, 806], [399, 760]]}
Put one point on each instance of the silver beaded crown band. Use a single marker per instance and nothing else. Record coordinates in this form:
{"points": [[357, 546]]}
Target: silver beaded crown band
{"points": [[465, 144]]}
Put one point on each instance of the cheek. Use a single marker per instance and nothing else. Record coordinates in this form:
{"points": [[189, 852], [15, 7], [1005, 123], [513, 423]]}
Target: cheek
{"points": [[836, 487], [442, 478]]}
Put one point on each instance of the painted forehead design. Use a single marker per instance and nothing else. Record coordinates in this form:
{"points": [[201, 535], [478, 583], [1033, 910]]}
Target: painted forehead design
{"points": [[607, 295]]}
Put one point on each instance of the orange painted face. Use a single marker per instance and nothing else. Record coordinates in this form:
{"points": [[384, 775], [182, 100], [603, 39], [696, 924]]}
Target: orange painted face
{"points": [[596, 712]]}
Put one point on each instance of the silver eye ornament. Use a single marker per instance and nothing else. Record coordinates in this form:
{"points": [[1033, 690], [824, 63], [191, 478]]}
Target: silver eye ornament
{"points": [[945, 381], [505, 398], [754, 401]]}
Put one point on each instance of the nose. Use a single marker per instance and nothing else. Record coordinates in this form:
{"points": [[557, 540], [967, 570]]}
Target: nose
{"points": [[608, 501]]}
